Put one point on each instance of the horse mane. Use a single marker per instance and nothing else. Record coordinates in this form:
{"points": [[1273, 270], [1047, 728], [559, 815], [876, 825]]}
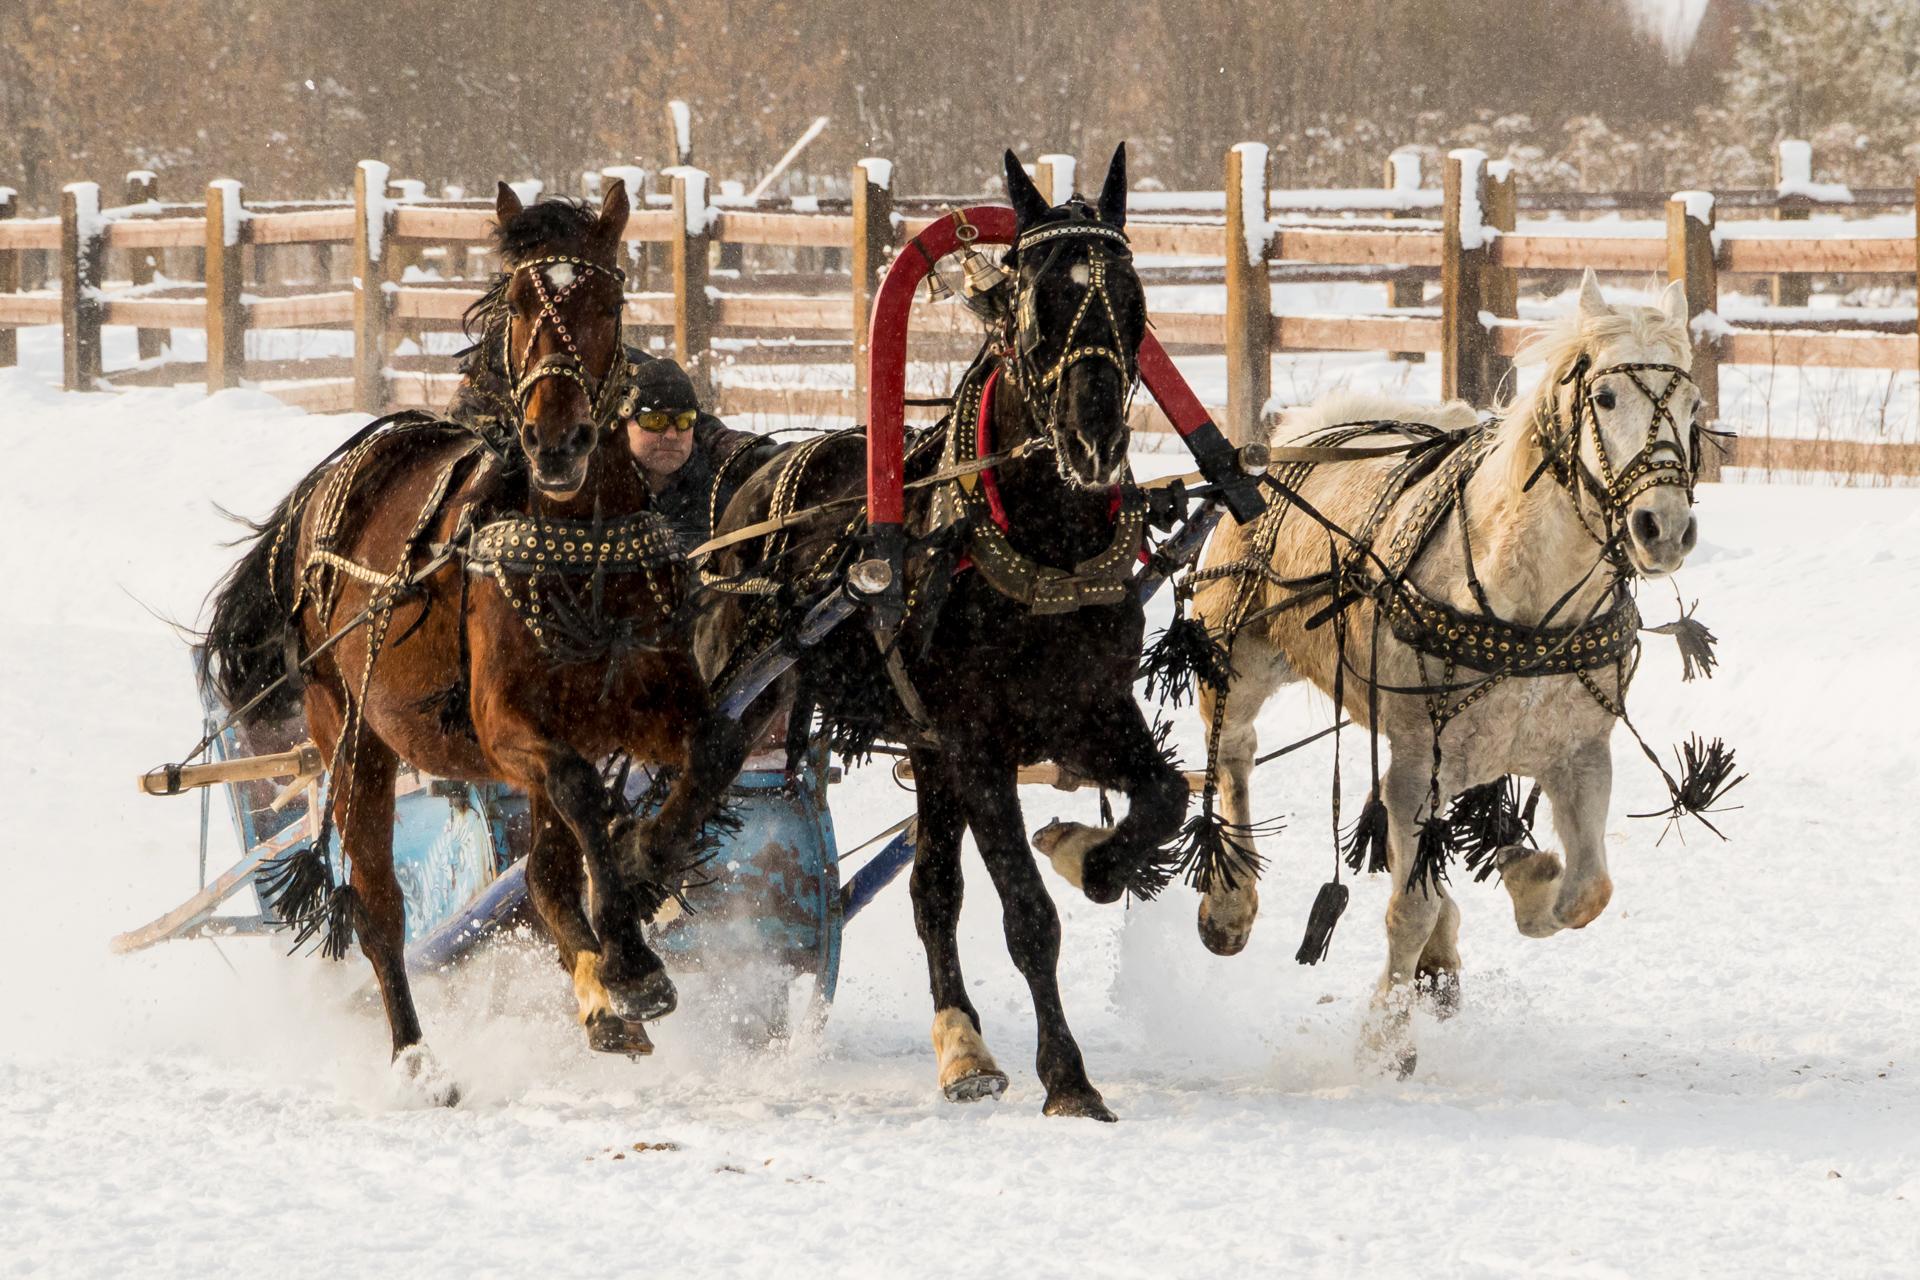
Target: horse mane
{"points": [[542, 225], [1556, 344]]}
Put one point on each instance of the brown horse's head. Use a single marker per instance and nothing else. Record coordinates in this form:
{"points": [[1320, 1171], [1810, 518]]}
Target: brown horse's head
{"points": [[563, 295], [1079, 316]]}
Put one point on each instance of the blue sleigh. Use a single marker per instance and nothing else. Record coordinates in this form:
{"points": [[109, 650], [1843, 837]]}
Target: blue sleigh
{"points": [[772, 894]]}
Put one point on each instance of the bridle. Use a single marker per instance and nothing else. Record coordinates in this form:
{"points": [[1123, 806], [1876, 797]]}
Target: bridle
{"points": [[1672, 460], [603, 394], [1044, 387]]}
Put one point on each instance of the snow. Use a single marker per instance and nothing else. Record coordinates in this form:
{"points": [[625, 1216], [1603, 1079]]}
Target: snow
{"points": [[633, 175], [1699, 205], [86, 205], [699, 216], [1255, 230], [528, 189], [1062, 167], [374, 179], [405, 190], [879, 172], [1796, 175], [232, 211], [1406, 169], [682, 118], [1717, 1077], [1474, 231]]}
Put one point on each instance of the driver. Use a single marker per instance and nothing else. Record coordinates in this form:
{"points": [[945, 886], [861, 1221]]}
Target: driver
{"points": [[684, 451]]}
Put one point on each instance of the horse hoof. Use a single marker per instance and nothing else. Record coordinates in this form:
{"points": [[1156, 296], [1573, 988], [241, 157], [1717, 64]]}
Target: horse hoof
{"points": [[608, 1034], [1221, 941], [417, 1080], [651, 998], [988, 1085], [1085, 1103]]}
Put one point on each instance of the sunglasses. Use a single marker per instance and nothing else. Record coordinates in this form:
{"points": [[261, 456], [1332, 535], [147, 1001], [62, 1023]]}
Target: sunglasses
{"points": [[659, 420]]}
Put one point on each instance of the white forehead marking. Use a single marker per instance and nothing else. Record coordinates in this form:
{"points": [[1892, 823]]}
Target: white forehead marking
{"points": [[560, 274], [1079, 273]]}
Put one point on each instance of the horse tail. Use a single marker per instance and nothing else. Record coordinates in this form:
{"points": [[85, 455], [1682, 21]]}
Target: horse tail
{"points": [[249, 642]]}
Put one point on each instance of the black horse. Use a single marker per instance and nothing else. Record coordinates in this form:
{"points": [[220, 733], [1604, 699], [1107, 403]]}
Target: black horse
{"points": [[1023, 633]]}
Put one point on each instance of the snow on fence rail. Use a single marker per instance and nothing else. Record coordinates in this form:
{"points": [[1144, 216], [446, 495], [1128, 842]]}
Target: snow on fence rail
{"points": [[686, 303]]}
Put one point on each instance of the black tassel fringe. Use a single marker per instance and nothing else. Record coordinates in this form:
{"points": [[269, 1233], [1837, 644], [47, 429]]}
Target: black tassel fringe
{"points": [[304, 898], [1184, 653], [1366, 841], [1211, 853], [1706, 776], [1695, 642], [1430, 856], [1486, 819], [1327, 907]]}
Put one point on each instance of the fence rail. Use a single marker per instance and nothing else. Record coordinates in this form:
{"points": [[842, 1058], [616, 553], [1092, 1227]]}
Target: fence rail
{"points": [[367, 273]]}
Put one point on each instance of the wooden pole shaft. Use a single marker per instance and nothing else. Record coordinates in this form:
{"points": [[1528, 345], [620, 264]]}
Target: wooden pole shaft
{"points": [[692, 309], [371, 225], [873, 240], [226, 322], [80, 273], [1690, 259], [1249, 318], [1500, 286], [1463, 339], [9, 281]]}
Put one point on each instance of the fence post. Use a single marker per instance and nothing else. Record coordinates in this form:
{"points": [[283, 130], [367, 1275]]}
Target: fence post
{"points": [[1463, 256], [872, 240], [80, 272], [9, 282], [1054, 175], [226, 320], [1500, 286], [1690, 259], [371, 305], [692, 309], [1403, 176], [141, 264], [633, 255], [1792, 173], [1249, 319]]}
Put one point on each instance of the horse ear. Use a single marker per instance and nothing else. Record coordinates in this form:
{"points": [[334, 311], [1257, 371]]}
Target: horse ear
{"points": [[506, 205], [1113, 195], [1592, 301], [614, 211], [1673, 301], [1028, 204]]}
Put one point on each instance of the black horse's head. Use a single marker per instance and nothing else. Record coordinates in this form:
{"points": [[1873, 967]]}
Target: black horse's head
{"points": [[1079, 315], [562, 293]]}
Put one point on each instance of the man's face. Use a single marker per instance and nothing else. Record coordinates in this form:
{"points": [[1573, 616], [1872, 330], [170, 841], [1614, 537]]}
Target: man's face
{"points": [[659, 453]]}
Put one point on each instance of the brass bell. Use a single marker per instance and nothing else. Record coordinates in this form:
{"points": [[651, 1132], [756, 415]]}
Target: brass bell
{"points": [[981, 274], [937, 290]]}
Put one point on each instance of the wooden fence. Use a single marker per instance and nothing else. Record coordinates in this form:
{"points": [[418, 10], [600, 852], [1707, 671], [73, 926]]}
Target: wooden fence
{"points": [[693, 294]]}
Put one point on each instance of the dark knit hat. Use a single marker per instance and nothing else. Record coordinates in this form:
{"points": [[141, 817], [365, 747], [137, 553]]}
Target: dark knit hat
{"points": [[661, 384]]}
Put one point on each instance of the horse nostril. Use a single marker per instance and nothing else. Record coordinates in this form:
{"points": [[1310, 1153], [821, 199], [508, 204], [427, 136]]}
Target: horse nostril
{"points": [[1646, 527], [582, 437], [1691, 536]]}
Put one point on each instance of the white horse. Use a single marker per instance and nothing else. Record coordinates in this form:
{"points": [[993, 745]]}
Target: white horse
{"points": [[1583, 483]]}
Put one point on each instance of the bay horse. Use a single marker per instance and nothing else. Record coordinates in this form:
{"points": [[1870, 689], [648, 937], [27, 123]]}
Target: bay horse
{"points": [[1578, 487], [523, 620], [1028, 655]]}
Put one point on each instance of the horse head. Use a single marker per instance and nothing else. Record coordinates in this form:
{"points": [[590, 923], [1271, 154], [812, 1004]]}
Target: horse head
{"points": [[1622, 430], [1079, 314], [562, 292]]}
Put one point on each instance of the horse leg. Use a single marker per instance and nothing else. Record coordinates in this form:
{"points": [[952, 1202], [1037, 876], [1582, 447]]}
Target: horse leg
{"points": [[655, 850], [1547, 896], [635, 979], [1112, 746], [967, 1069], [555, 880], [1413, 913], [363, 812], [1033, 934], [1437, 974], [1227, 913]]}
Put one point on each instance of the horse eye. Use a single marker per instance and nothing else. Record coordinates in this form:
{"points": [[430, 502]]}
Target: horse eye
{"points": [[1604, 397]]}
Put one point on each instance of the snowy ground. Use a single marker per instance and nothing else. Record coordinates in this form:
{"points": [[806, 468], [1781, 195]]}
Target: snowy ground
{"points": [[1718, 1077]]}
